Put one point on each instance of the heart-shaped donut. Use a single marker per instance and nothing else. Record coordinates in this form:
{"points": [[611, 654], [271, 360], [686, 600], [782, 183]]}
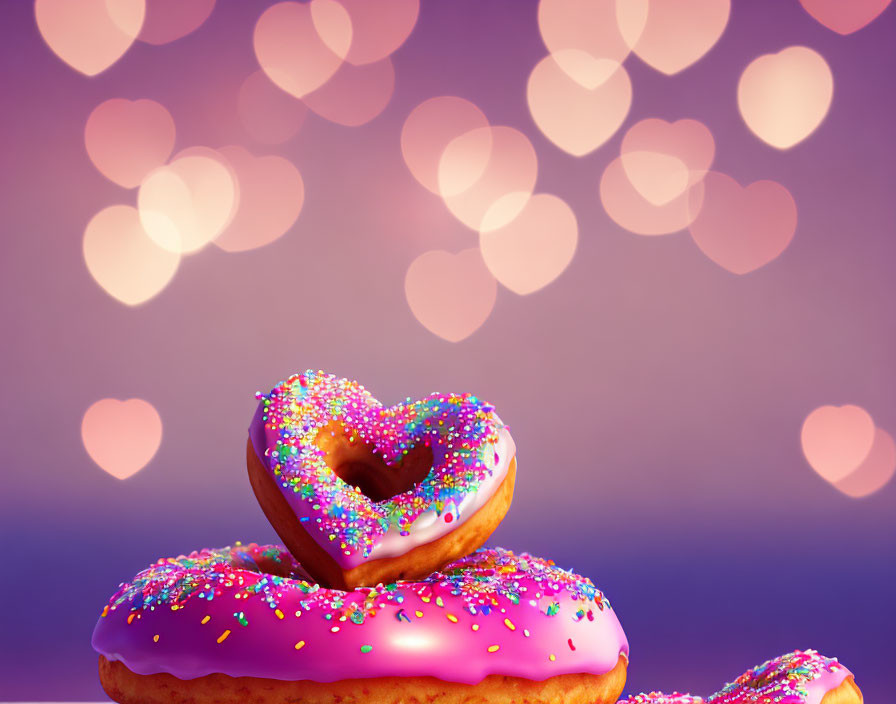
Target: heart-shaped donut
{"points": [[363, 494]]}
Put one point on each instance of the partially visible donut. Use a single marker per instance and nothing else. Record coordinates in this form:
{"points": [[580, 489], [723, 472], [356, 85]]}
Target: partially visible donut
{"points": [[363, 494], [660, 698], [800, 677], [243, 625]]}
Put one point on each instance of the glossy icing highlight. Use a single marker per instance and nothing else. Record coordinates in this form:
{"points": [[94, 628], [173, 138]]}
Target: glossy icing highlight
{"points": [[250, 610]]}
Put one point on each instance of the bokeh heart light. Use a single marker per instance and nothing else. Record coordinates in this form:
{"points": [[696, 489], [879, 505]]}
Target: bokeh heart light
{"points": [[429, 129], [845, 17], [575, 118], [531, 250], [89, 35], [188, 202], [505, 162], [742, 228], [451, 295], [677, 34], [121, 436], [784, 97], [167, 20], [127, 139], [123, 259], [589, 39], [837, 439], [272, 193]]}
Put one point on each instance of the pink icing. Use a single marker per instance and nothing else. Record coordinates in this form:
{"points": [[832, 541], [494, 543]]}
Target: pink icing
{"points": [[492, 612], [472, 451]]}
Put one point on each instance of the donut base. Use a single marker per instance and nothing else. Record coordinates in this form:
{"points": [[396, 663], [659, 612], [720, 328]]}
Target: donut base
{"points": [[127, 687], [847, 693], [415, 564]]}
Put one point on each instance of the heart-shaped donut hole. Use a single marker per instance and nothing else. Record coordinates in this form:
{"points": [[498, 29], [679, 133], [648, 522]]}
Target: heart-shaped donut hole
{"points": [[357, 464]]}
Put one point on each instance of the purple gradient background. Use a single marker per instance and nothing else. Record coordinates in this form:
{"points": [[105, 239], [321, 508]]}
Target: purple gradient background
{"points": [[656, 399]]}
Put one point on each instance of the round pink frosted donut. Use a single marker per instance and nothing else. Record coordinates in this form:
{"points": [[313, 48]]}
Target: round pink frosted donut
{"points": [[485, 621]]}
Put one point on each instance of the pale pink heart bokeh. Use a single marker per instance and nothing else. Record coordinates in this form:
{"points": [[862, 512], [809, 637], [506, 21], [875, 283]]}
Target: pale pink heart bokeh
{"points": [[290, 49], [188, 202], [126, 139], [576, 119], [451, 295], [270, 115], [121, 436], [89, 35], [354, 95], [837, 439], [655, 151], [845, 16], [535, 247], [123, 259], [677, 34], [590, 39], [167, 20], [784, 97], [432, 126], [657, 176], [875, 471], [271, 197], [511, 166], [742, 228], [632, 211], [378, 28]]}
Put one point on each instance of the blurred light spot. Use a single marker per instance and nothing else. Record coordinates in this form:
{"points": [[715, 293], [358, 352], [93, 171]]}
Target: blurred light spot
{"points": [[355, 94], [658, 177], [290, 50], [654, 151], [677, 34], [783, 97], [743, 228], [535, 247], [167, 20], [576, 119], [464, 160], [187, 203], [123, 259], [845, 17], [127, 139], [632, 211], [271, 198], [590, 38], [379, 28], [270, 115], [511, 167], [837, 439], [875, 470], [429, 128], [89, 35], [121, 436], [451, 295], [333, 25]]}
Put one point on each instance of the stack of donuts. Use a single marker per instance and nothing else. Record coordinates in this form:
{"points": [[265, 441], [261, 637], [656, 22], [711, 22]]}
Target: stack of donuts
{"points": [[382, 591]]}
